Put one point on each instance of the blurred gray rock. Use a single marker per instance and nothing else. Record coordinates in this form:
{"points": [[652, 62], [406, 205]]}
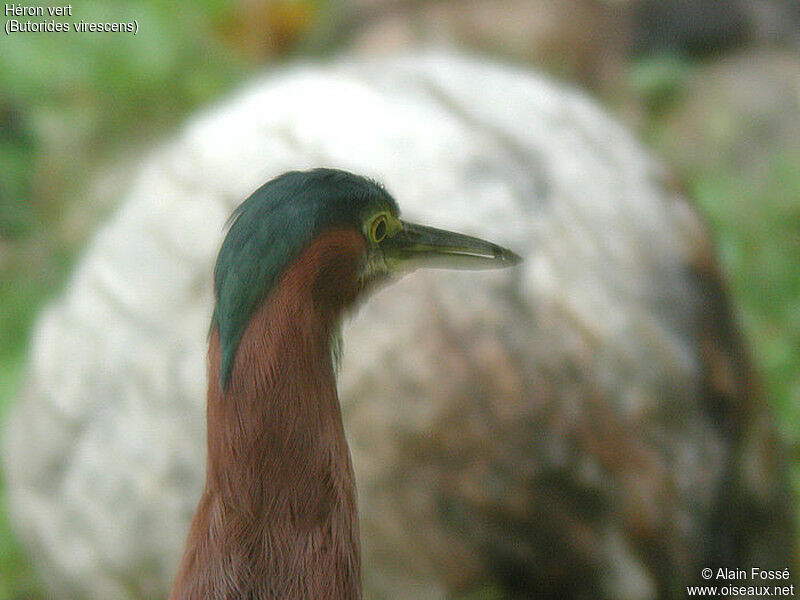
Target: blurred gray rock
{"points": [[584, 40], [584, 425], [707, 27], [739, 111]]}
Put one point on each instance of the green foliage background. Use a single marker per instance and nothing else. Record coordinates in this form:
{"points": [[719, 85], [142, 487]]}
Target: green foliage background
{"points": [[72, 106]]}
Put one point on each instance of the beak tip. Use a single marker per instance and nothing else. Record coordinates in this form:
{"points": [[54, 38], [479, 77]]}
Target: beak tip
{"points": [[506, 257]]}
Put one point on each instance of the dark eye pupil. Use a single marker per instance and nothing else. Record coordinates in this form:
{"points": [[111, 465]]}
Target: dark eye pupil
{"points": [[380, 230]]}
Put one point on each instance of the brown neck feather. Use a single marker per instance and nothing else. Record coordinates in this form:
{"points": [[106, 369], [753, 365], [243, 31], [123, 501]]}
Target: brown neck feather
{"points": [[278, 518]]}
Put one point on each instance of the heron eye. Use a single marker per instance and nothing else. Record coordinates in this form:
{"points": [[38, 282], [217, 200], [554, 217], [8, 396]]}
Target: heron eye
{"points": [[378, 229]]}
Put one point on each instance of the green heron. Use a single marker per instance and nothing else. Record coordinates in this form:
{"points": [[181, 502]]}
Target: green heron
{"points": [[277, 517]]}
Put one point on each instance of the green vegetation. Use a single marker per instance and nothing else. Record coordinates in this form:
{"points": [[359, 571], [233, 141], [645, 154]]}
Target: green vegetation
{"points": [[659, 81], [745, 179], [757, 226]]}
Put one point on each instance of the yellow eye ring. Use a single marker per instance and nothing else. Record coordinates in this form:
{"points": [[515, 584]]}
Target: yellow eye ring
{"points": [[378, 229]]}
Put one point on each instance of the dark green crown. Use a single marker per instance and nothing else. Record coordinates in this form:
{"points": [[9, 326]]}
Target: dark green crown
{"points": [[270, 229]]}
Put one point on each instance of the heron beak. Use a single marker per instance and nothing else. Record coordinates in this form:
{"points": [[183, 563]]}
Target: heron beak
{"points": [[415, 246]]}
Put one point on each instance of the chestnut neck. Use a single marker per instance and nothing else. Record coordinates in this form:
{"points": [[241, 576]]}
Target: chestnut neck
{"points": [[278, 516]]}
